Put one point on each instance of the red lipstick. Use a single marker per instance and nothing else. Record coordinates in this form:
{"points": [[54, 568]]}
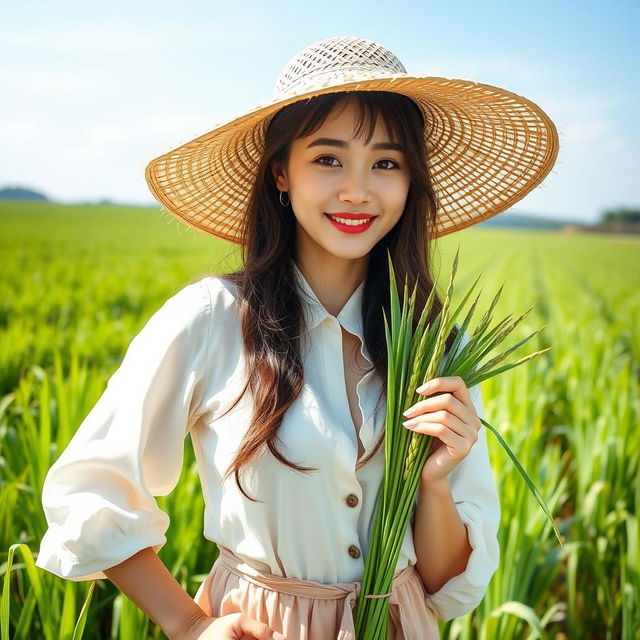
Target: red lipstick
{"points": [[351, 228], [351, 216]]}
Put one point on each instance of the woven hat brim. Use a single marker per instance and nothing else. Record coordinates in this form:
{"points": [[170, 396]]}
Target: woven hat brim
{"points": [[487, 148]]}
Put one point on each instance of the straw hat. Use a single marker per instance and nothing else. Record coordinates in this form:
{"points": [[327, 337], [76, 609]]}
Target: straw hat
{"points": [[487, 147]]}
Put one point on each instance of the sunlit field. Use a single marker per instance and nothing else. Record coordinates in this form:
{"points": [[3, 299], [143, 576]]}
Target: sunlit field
{"points": [[78, 282]]}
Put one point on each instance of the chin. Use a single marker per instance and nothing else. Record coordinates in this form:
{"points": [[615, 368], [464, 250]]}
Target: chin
{"points": [[349, 253]]}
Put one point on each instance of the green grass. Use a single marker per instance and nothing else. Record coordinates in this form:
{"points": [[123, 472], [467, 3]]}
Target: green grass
{"points": [[79, 282]]}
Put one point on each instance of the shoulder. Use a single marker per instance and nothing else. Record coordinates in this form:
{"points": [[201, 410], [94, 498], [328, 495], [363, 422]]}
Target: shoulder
{"points": [[217, 297], [189, 306], [222, 292], [197, 307], [200, 297], [221, 295]]}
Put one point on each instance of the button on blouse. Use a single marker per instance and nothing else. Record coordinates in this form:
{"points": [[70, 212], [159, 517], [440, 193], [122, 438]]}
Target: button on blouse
{"points": [[179, 374], [354, 552], [352, 500]]}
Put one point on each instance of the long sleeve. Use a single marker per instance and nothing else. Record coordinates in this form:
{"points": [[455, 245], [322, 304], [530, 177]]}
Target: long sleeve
{"points": [[476, 498], [98, 496]]}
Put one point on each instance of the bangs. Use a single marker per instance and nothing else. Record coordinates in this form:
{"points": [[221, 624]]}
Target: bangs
{"points": [[371, 105]]}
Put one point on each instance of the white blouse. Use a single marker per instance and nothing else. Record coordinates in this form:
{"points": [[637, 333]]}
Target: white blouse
{"points": [[178, 375]]}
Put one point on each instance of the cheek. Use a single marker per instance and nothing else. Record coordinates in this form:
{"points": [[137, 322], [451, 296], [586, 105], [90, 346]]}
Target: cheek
{"points": [[308, 186], [400, 187], [395, 196]]}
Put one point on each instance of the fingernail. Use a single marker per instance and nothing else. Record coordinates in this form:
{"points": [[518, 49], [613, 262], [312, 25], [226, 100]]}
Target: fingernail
{"points": [[410, 423], [408, 412], [424, 387], [278, 636]]}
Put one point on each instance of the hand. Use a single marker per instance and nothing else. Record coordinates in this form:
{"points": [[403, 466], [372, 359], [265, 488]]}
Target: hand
{"points": [[235, 626], [451, 418]]}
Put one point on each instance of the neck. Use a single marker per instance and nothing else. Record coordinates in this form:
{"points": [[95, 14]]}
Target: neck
{"points": [[333, 279]]}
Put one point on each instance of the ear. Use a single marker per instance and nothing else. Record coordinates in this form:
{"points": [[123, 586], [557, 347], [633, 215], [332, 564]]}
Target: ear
{"points": [[279, 176]]}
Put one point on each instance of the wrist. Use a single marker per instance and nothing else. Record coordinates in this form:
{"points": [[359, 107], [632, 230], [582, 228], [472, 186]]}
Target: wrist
{"points": [[440, 486], [192, 629]]}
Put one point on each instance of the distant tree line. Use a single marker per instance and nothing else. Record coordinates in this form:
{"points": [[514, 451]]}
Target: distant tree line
{"points": [[22, 193], [622, 215]]}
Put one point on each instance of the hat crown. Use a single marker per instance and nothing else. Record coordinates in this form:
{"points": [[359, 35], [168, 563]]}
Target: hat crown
{"points": [[334, 61]]}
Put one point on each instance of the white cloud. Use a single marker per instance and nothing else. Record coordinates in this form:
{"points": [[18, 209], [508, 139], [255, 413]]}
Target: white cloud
{"points": [[85, 38], [18, 131], [108, 134], [596, 135], [489, 70], [81, 153], [171, 129], [52, 82], [588, 128]]}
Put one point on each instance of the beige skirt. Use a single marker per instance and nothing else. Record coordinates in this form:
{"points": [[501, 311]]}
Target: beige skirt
{"points": [[308, 610]]}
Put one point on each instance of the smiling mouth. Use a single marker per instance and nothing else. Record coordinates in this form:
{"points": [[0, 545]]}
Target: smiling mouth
{"points": [[351, 221], [350, 226]]}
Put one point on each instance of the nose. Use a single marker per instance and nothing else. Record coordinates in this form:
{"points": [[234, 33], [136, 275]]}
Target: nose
{"points": [[355, 187]]}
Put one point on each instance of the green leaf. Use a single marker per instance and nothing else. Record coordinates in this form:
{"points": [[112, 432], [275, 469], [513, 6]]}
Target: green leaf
{"points": [[527, 479]]}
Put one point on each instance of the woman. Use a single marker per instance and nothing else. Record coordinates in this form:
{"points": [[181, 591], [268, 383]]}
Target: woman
{"points": [[278, 370]]}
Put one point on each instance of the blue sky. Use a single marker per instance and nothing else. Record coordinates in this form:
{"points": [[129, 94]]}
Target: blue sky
{"points": [[92, 91]]}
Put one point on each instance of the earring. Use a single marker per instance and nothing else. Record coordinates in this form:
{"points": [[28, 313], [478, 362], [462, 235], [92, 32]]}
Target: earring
{"points": [[284, 204]]}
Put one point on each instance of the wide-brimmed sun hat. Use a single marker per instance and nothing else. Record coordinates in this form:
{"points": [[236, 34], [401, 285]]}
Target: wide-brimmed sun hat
{"points": [[487, 147]]}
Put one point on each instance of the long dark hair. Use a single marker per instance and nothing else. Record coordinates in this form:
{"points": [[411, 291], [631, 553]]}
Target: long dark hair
{"points": [[268, 302]]}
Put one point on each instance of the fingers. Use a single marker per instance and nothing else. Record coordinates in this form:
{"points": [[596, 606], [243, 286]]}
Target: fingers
{"points": [[256, 629], [452, 384], [444, 401], [446, 435], [447, 420], [453, 396]]}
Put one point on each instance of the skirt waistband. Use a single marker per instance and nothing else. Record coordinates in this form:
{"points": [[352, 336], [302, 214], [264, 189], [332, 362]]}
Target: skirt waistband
{"points": [[408, 613], [298, 587]]}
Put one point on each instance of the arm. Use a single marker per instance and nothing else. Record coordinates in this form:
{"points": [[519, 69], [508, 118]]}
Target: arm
{"points": [[99, 495], [440, 537], [455, 579], [145, 580]]}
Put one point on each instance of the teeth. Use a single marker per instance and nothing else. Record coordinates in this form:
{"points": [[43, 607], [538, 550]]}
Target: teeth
{"points": [[351, 223]]}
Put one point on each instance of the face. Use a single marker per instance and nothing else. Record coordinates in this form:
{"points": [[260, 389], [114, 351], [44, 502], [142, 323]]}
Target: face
{"points": [[342, 177]]}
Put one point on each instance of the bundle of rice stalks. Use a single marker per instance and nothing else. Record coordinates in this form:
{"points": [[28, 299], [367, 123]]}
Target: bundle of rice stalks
{"points": [[415, 357]]}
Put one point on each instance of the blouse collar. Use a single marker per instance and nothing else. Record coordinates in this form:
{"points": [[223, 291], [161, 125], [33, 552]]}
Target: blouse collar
{"points": [[350, 316]]}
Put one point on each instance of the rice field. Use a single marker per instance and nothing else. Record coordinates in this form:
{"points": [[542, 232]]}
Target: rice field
{"points": [[78, 282]]}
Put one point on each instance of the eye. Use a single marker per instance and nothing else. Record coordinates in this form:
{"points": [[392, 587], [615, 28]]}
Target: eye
{"points": [[318, 161], [323, 158], [393, 162]]}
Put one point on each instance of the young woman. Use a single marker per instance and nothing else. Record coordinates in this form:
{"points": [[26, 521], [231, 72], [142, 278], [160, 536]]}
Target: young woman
{"points": [[278, 370]]}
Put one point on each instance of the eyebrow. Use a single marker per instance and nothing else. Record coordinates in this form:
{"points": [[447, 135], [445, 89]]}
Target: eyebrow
{"points": [[332, 142]]}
